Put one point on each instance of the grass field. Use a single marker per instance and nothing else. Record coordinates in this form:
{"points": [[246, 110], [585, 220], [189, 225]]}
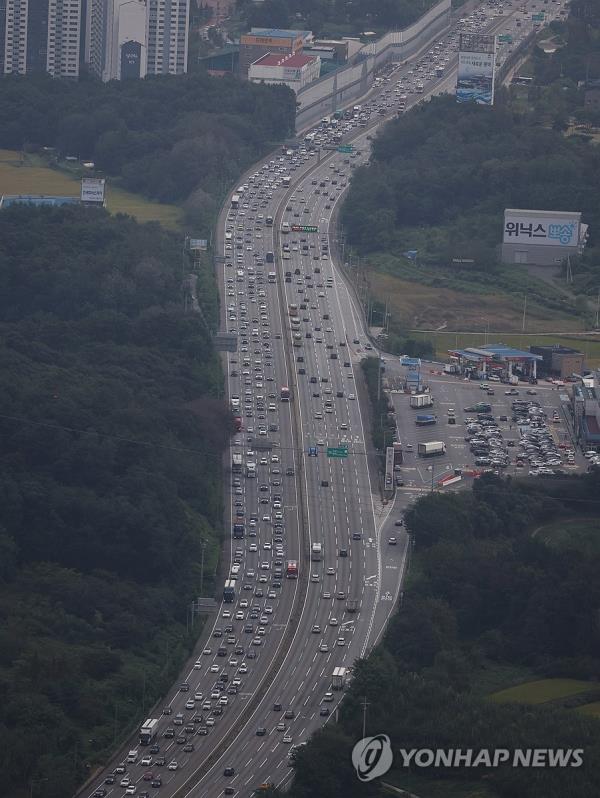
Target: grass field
{"points": [[543, 690], [592, 710], [32, 178], [582, 534], [423, 306]]}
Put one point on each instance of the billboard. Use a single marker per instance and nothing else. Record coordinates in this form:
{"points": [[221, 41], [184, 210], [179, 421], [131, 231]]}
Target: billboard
{"points": [[545, 228], [92, 189], [476, 66], [131, 59]]}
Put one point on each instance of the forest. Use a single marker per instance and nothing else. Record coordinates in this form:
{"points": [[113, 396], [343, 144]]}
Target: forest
{"points": [[334, 18], [164, 137], [486, 604], [111, 432], [441, 176]]}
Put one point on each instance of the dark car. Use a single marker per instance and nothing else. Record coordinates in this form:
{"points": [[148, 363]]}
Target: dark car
{"points": [[229, 772], [261, 731], [157, 783]]}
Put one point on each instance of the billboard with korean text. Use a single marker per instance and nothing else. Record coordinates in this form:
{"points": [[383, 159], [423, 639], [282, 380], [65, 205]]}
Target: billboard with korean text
{"points": [[527, 227], [476, 66]]}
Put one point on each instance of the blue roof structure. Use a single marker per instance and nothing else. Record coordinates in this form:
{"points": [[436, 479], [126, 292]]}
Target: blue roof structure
{"points": [[280, 33], [36, 199], [495, 352]]}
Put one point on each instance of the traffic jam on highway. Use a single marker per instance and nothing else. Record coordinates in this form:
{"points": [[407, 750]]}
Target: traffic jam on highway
{"points": [[281, 648]]}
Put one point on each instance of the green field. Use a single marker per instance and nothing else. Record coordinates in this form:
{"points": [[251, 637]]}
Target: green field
{"points": [[31, 177], [543, 690], [592, 710], [581, 534]]}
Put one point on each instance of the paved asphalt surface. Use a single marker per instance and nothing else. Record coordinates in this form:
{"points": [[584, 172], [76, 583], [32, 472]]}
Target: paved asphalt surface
{"points": [[301, 630]]}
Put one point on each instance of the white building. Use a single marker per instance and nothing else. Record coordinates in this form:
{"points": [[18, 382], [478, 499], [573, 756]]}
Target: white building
{"points": [[40, 36], [167, 36], [295, 70], [543, 238]]}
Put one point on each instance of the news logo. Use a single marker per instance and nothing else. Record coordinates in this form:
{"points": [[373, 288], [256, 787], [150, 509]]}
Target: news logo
{"points": [[372, 757]]}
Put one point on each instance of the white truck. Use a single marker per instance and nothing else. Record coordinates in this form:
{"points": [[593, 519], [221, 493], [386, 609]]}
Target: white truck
{"points": [[338, 679], [431, 448], [250, 470], [421, 400], [316, 553]]}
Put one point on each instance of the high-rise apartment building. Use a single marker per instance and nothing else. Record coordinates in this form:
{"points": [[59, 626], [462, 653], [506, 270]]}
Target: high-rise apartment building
{"points": [[168, 36], [116, 38], [40, 36]]}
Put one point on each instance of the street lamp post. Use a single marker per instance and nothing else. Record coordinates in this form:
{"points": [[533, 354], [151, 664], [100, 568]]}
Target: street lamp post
{"points": [[430, 468]]}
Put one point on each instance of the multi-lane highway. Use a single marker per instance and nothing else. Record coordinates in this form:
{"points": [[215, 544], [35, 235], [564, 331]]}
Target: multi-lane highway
{"points": [[263, 682]]}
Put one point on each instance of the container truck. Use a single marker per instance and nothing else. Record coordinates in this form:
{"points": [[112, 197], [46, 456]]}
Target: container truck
{"points": [[316, 553], [425, 420], [421, 400], [431, 448], [338, 679], [148, 731], [236, 463]]}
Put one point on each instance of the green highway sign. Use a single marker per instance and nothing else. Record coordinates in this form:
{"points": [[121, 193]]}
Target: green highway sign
{"points": [[538, 17], [337, 451], [505, 37], [346, 148], [304, 228]]}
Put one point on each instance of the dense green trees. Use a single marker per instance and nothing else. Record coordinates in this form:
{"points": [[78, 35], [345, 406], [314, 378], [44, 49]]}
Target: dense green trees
{"points": [[486, 603], [163, 137], [110, 441], [322, 16]]}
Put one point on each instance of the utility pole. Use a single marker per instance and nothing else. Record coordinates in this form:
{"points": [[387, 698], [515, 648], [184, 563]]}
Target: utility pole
{"points": [[524, 312], [202, 569], [598, 309], [365, 704]]}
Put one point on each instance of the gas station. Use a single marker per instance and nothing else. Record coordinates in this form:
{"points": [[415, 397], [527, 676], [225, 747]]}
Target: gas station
{"points": [[497, 360]]}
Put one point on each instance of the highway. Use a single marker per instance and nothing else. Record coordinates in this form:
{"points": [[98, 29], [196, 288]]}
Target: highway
{"points": [[262, 683]]}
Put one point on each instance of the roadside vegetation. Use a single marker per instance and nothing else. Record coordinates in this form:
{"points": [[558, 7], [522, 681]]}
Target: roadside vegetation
{"points": [[181, 139], [110, 437], [336, 18], [488, 606]]}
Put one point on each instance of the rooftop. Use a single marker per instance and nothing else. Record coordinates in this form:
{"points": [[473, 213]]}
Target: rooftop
{"points": [[494, 352], [279, 59], [279, 33]]}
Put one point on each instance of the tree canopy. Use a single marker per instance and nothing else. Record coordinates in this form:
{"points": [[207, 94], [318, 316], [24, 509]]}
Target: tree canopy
{"points": [[111, 434], [162, 136]]}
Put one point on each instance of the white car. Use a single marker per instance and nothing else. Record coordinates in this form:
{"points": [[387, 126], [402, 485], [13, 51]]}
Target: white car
{"points": [[287, 738], [214, 668], [226, 614], [131, 790], [243, 668], [197, 665], [207, 652], [333, 621], [172, 765], [198, 696]]}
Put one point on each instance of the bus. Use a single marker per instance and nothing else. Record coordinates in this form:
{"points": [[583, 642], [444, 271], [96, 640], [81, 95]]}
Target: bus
{"points": [[286, 181], [284, 394], [229, 591], [291, 571], [270, 257]]}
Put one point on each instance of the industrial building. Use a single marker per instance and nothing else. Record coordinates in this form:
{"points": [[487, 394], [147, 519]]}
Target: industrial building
{"points": [[40, 36], [542, 238], [260, 41], [295, 70], [586, 413], [558, 361], [497, 360]]}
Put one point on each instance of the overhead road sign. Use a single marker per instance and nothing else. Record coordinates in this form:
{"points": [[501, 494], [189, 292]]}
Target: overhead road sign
{"points": [[304, 228], [346, 148], [337, 451]]}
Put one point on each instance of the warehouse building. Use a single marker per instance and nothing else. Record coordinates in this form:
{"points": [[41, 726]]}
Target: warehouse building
{"points": [[542, 238], [586, 413], [261, 41], [295, 70], [558, 361]]}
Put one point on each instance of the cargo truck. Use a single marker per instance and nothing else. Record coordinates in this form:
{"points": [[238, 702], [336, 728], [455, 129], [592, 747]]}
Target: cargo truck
{"points": [[148, 731], [425, 420], [421, 400], [431, 448], [338, 679], [236, 463], [316, 553], [250, 470]]}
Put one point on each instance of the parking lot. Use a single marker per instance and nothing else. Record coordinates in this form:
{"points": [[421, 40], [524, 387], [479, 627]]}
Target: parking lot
{"points": [[525, 432]]}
